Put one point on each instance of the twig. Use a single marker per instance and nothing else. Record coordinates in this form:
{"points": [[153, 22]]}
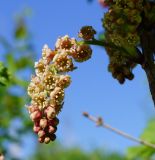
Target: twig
{"points": [[99, 122]]}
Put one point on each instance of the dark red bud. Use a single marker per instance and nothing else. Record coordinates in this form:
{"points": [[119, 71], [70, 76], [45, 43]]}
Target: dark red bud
{"points": [[41, 139], [52, 129], [41, 133], [36, 123], [55, 121], [52, 137], [35, 115]]}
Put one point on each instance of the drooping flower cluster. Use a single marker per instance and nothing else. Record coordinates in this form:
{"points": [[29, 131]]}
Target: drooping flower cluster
{"points": [[121, 24], [46, 88]]}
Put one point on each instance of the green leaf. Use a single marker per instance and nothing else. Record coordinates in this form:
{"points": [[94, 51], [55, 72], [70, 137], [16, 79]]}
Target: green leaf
{"points": [[21, 32], [4, 75], [11, 62], [144, 152], [149, 131], [23, 62]]}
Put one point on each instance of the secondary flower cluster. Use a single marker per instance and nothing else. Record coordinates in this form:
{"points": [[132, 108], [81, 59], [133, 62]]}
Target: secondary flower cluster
{"points": [[121, 24], [46, 88]]}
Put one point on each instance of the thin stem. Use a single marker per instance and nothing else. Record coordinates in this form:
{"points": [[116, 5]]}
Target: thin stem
{"points": [[100, 122], [136, 58], [96, 42]]}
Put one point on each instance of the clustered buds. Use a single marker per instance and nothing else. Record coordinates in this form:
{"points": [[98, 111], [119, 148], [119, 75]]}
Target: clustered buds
{"points": [[120, 66], [87, 33], [121, 24], [82, 53], [47, 86], [69, 47]]}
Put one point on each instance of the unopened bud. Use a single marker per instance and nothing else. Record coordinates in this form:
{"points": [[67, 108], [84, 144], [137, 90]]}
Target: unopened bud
{"points": [[120, 78], [50, 112], [43, 123], [35, 115], [54, 122], [36, 129], [53, 137], [52, 129], [32, 108], [83, 53], [87, 33], [47, 140], [41, 139], [41, 133]]}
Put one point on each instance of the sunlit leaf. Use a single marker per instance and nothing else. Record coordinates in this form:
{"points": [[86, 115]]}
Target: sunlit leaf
{"points": [[144, 152], [4, 75], [21, 32]]}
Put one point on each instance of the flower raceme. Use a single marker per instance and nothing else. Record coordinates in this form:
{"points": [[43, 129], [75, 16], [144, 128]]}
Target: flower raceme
{"points": [[122, 36], [47, 86], [121, 23]]}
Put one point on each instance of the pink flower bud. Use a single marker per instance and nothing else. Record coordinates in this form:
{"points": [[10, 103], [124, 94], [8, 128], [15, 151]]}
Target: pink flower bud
{"points": [[52, 129], [35, 115], [50, 112], [36, 129], [47, 140], [32, 109], [41, 133], [43, 123], [41, 139]]}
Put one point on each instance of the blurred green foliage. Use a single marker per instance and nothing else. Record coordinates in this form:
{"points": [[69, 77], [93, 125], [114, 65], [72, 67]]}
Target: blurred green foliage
{"points": [[18, 56], [21, 31], [57, 152], [144, 152], [4, 75]]}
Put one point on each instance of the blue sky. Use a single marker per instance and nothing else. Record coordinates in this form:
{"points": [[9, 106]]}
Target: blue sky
{"points": [[127, 107]]}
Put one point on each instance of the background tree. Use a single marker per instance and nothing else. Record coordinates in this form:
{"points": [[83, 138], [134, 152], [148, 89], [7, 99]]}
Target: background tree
{"points": [[18, 58]]}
